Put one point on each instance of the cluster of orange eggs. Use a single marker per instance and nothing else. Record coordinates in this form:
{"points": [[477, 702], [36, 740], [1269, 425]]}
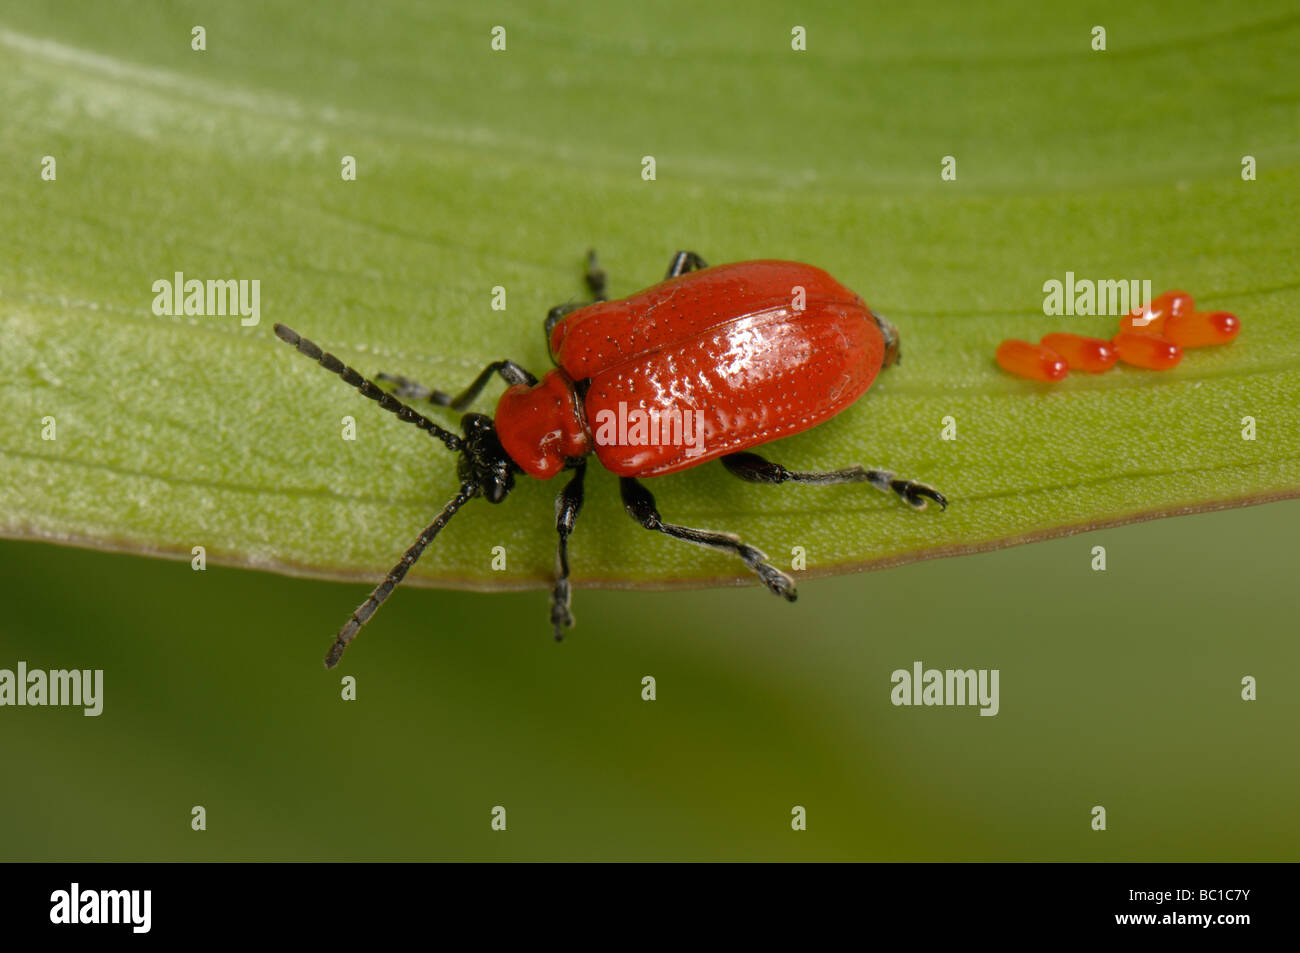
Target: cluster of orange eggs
{"points": [[1152, 337]]}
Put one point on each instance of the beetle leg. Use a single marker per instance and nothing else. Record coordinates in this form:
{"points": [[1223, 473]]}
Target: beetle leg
{"points": [[595, 276], [555, 314], [755, 469], [595, 281], [567, 507], [640, 505], [683, 262], [510, 372]]}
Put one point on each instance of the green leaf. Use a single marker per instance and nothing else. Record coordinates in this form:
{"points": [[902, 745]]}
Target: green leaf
{"points": [[479, 169]]}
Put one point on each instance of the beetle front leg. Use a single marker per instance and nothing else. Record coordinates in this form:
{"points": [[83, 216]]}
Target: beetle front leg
{"points": [[684, 262], [640, 505], [509, 371], [755, 469], [567, 507]]}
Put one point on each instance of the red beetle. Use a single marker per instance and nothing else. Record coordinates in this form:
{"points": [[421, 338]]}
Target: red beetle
{"points": [[705, 364]]}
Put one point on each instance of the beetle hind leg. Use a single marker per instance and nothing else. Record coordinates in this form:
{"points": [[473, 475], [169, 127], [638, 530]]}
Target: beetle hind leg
{"points": [[755, 469], [640, 505]]}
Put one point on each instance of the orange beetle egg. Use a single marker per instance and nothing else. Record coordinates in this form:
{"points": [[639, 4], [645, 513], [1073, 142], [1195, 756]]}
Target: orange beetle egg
{"points": [[1201, 328], [1082, 353], [1030, 360], [1145, 320], [1178, 303], [1143, 350], [1160, 309]]}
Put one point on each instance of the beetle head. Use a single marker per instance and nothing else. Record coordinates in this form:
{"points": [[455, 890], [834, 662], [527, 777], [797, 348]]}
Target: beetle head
{"points": [[483, 464], [892, 353]]}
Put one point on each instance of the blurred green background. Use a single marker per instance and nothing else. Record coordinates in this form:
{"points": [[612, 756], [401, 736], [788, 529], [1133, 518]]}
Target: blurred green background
{"points": [[1119, 688]]}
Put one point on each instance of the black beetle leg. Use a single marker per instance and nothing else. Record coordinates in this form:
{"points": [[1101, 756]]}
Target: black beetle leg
{"points": [[640, 505], [683, 262], [753, 468], [567, 507], [595, 281], [510, 372]]}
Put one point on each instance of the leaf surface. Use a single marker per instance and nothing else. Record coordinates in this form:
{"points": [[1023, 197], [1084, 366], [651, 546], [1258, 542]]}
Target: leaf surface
{"points": [[479, 169]]}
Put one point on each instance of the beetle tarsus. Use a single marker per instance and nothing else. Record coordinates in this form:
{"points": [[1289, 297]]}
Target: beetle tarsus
{"points": [[595, 276], [561, 617], [567, 507], [778, 582], [916, 494]]}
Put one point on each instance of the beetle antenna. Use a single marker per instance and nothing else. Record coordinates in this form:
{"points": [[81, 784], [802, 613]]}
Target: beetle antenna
{"points": [[367, 387], [396, 575]]}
